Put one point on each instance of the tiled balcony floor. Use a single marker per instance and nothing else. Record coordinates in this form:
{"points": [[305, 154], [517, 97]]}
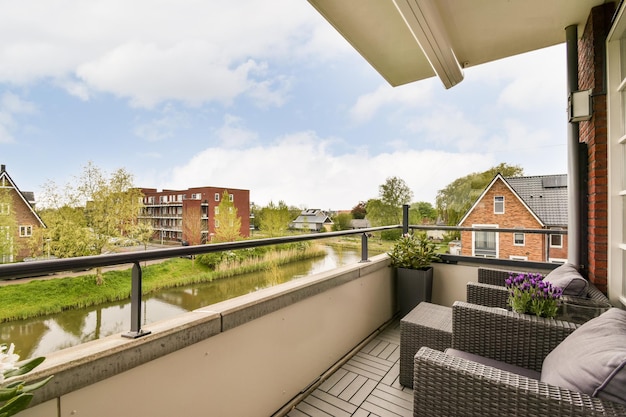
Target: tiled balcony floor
{"points": [[365, 386]]}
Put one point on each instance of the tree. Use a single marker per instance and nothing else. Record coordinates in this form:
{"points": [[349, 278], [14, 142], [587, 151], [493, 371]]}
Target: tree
{"points": [[274, 219], [67, 234], [395, 193], [193, 225], [387, 210], [227, 223], [426, 211], [342, 222], [358, 211], [457, 197], [8, 227], [111, 205], [82, 220], [143, 233]]}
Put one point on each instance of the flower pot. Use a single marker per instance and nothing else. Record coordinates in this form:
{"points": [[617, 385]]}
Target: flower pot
{"points": [[412, 287]]}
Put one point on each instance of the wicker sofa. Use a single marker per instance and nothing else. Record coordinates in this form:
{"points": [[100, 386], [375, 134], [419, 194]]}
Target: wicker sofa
{"points": [[446, 385], [490, 291]]}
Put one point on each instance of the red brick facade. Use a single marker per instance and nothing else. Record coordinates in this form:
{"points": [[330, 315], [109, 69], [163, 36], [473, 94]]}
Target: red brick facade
{"points": [[591, 75], [179, 215], [27, 220], [515, 215]]}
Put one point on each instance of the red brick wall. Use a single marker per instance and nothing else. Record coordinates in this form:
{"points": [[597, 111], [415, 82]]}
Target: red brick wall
{"points": [[241, 201], [591, 74], [24, 217], [515, 215]]}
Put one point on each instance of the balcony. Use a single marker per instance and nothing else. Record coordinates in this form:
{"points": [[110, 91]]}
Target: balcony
{"points": [[255, 355]]}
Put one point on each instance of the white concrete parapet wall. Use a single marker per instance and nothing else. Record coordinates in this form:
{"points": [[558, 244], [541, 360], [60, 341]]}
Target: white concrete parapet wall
{"points": [[243, 357]]}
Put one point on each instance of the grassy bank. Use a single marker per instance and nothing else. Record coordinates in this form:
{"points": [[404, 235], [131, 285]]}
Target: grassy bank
{"points": [[41, 297]]}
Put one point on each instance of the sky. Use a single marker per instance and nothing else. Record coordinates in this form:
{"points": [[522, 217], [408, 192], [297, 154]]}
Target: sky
{"points": [[257, 95]]}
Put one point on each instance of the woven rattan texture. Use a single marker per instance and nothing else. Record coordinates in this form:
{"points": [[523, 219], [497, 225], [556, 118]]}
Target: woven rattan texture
{"points": [[426, 325], [519, 339], [487, 295], [491, 292], [451, 386]]}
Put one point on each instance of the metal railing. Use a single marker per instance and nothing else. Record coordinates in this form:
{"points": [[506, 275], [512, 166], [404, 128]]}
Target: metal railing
{"points": [[46, 267]]}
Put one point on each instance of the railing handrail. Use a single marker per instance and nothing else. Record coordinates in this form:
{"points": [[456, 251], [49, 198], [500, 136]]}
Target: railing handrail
{"points": [[44, 267], [48, 266], [93, 261]]}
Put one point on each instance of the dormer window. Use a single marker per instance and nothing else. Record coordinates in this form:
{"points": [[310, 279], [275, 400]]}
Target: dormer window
{"points": [[498, 204]]}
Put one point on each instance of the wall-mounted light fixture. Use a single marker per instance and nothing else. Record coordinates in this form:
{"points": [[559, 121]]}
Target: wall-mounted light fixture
{"points": [[423, 19], [580, 108]]}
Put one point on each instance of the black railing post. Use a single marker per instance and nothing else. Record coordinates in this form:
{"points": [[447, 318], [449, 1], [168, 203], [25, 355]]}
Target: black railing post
{"points": [[135, 305], [364, 251], [405, 219]]}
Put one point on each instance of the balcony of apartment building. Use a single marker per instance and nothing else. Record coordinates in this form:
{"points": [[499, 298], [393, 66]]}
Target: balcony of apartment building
{"points": [[327, 344]]}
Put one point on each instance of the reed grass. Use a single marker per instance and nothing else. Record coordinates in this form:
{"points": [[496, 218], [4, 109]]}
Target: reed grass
{"points": [[50, 296]]}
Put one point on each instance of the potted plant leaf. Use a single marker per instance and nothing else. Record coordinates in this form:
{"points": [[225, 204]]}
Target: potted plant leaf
{"points": [[412, 256]]}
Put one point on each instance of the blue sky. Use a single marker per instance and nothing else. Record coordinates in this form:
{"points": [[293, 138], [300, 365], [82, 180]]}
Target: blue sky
{"points": [[259, 95]]}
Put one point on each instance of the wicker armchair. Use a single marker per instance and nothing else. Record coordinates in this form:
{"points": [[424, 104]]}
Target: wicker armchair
{"points": [[490, 290], [446, 385]]}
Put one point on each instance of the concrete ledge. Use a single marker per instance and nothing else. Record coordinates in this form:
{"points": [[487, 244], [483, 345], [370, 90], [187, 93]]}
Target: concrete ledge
{"points": [[83, 365]]}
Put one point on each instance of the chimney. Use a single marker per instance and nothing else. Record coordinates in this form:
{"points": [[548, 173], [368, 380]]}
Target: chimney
{"points": [[3, 168]]}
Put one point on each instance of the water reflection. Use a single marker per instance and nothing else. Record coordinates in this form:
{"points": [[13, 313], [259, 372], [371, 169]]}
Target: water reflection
{"points": [[43, 335]]}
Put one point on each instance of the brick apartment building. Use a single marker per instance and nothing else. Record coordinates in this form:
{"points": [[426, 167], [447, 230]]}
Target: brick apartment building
{"points": [[189, 215], [27, 221], [538, 202]]}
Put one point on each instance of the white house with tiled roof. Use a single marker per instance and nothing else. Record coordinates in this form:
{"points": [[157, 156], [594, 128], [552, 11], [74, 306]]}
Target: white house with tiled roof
{"points": [[313, 220], [537, 202], [27, 220]]}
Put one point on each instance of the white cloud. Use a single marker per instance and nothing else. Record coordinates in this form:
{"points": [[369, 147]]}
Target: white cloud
{"points": [[5, 135], [300, 170], [151, 51], [407, 96], [166, 126], [11, 106], [528, 81], [536, 150], [232, 134], [447, 127]]}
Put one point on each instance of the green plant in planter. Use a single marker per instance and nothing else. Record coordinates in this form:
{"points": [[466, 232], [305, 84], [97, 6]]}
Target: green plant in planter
{"points": [[15, 394], [413, 251]]}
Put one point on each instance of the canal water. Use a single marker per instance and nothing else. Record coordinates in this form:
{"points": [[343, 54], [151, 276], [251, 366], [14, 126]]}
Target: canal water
{"points": [[42, 335]]}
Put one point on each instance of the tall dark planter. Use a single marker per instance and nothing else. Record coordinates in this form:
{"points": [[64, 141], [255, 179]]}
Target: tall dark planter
{"points": [[412, 287]]}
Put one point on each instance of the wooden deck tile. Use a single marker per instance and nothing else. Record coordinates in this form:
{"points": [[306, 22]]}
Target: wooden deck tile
{"points": [[365, 386]]}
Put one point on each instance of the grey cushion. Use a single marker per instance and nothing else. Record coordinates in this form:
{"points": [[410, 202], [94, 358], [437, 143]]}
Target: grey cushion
{"points": [[503, 366], [592, 359], [569, 280]]}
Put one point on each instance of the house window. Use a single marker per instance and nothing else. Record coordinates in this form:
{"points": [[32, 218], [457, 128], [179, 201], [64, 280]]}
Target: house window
{"points": [[485, 243], [556, 241], [217, 223], [231, 198], [498, 204], [26, 231], [217, 196], [519, 239]]}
